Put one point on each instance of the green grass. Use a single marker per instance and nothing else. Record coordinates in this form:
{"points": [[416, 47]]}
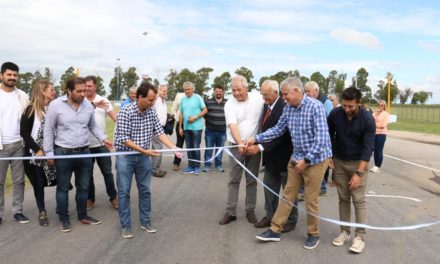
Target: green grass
{"points": [[416, 126]]}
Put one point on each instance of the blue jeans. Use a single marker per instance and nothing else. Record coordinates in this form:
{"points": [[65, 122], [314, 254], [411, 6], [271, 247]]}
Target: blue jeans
{"points": [[81, 167], [105, 165], [379, 143], [140, 166], [214, 139], [192, 139]]}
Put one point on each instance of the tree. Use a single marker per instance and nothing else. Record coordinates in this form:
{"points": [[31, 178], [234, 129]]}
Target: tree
{"points": [[331, 81], [128, 80], [246, 73], [321, 81], [404, 95], [223, 80], [340, 83], [113, 85], [100, 86], [361, 84], [171, 80], [423, 96], [382, 92], [201, 82], [69, 73], [25, 81]]}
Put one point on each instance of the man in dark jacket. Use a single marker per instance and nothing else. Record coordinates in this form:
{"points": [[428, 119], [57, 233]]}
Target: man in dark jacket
{"points": [[276, 155]]}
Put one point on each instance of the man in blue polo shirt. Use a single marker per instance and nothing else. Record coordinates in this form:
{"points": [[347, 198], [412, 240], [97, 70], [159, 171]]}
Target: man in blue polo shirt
{"points": [[192, 109]]}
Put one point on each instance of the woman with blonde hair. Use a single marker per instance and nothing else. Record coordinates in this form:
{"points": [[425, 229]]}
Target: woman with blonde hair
{"points": [[381, 117], [39, 172]]}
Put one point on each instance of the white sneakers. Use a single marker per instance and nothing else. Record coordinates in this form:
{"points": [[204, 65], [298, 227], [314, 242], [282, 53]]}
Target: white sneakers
{"points": [[341, 239], [357, 246], [375, 169]]}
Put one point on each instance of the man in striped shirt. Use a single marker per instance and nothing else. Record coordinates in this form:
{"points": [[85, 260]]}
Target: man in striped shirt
{"points": [[215, 132], [304, 117]]}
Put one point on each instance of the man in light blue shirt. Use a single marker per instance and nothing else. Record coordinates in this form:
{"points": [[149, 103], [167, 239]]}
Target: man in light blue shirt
{"points": [[192, 109], [68, 121]]}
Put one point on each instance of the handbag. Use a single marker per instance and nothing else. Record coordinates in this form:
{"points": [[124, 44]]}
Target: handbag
{"points": [[169, 125]]}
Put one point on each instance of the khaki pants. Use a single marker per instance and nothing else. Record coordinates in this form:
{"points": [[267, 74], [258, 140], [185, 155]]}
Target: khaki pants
{"points": [[311, 178], [342, 175]]}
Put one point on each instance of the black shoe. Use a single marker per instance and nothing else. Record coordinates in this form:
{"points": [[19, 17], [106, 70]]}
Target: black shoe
{"points": [[269, 235], [42, 219], [289, 227], [90, 221], [159, 173], [0, 220], [227, 218], [251, 217], [65, 226], [21, 218], [264, 222]]}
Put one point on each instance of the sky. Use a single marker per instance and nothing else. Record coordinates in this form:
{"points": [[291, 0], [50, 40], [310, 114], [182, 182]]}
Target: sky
{"points": [[266, 36]]}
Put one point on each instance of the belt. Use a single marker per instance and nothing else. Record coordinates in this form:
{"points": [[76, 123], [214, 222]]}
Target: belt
{"points": [[73, 149]]}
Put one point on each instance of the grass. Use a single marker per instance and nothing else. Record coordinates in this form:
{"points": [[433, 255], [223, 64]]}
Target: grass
{"points": [[416, 118]]}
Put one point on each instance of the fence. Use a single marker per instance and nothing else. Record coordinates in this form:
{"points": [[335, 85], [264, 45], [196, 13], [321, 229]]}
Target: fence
{"points": [[417, 113]]}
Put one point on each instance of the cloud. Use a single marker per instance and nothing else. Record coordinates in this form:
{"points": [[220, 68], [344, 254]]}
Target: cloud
{"points": [[429, 46], [352, 36]]}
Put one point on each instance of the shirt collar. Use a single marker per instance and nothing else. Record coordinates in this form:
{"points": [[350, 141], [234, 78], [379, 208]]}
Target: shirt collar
{"points": [[273, 104]]}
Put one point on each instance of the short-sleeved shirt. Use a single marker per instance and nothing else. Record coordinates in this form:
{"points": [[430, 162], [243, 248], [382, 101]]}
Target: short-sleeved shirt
{"points": [[100, 117], [192, 106], [246, 115]]}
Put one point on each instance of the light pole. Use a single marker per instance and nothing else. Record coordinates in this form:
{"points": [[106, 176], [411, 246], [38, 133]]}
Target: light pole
{"points": [[118, 72]]}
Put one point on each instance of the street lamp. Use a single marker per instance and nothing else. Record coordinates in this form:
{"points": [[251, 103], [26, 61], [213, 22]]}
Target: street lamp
{"points": [[117, 79]]}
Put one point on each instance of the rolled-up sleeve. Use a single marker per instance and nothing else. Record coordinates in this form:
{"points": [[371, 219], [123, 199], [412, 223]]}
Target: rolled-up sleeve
{"points": [[50, 124]]}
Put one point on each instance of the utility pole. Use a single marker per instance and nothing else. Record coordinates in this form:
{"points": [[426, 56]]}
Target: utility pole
{"points": [[389, 92]]}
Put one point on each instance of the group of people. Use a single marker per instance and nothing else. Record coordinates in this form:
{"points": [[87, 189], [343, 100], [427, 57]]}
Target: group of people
{"points": [[297, 136]]}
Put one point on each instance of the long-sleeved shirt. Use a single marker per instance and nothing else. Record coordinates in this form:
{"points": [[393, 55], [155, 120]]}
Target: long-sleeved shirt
{"points": [[352, 140], [381, 119], [307, 125], [161, 109], [68, 128], [136, 126]]}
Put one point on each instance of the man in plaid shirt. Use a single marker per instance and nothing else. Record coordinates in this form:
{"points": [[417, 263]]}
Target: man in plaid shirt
{"points": [[136, 124], [304, 117]]}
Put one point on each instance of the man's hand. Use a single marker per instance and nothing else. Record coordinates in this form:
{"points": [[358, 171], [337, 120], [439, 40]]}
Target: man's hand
{"points": [[108, 144], [252, 150], [101, 104], [39, 153], [242, 151], [331, 165], [249, 142], [178, 152], [51, 162], [151, 153], [300, 166], [355, 181], [192, 119], [180, 131]]}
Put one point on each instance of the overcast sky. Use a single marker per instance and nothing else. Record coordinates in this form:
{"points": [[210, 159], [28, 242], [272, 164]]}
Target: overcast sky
{"points": [[266, 36]]}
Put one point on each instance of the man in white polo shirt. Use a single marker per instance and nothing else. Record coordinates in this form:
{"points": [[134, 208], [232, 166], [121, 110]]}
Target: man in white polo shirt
{"points": [[102, 109], [243, 113], [161, 110]]}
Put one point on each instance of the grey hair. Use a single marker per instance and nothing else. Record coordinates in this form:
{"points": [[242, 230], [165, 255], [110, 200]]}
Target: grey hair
{"points": [[133, 89], [188, 83], [242, 79], [162, 85], [293, 83], [313, 85], [334, 96], [273, 84]]}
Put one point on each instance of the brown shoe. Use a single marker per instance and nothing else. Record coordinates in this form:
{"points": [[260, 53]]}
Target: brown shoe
{"points": [[227, 218], [289, 227], [176, 167], [90, 204], [264, 222], [114, 202], [251, 217]]}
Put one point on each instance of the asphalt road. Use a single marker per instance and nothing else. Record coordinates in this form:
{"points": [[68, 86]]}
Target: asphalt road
{"points": [[187, 208]]}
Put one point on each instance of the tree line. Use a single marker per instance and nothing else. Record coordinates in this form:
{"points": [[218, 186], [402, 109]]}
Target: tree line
{"points": [[333, 83]]}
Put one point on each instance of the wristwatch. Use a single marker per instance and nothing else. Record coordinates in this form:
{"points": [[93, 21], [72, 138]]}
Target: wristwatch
{"points": [[360, 173]]}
